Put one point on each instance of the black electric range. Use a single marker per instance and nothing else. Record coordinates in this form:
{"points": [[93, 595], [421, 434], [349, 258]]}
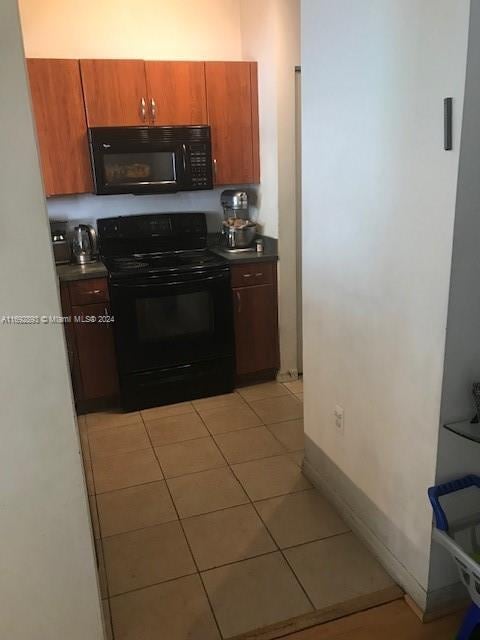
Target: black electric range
{"points": [[172, 307]]}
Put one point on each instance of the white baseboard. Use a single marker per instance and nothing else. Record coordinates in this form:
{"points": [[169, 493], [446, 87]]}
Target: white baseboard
{"points": [[391, 564]]}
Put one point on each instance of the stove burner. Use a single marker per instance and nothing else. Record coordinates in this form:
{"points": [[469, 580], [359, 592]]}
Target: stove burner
{"points": [[168, 262], [128, 264]]}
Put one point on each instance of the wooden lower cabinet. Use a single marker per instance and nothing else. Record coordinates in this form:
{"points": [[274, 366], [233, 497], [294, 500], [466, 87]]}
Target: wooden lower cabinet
{"points": [[96, 354], [90, 344], [256, 321], [91, 349]]}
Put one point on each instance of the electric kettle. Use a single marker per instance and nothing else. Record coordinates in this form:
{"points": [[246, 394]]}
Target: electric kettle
{"points": [[84, 244]]}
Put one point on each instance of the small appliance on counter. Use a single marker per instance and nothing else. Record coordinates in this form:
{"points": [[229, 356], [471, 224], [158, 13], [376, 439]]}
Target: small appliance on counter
{"points": [[61, 247], [84, 244], [238, 230]]}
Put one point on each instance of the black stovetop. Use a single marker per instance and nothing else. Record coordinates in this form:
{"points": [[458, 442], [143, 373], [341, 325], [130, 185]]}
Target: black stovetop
{"points": [[156, 243], [163, 263]]}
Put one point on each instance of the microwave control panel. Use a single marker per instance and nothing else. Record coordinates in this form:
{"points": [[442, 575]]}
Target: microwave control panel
{"points": [[199, 165]]}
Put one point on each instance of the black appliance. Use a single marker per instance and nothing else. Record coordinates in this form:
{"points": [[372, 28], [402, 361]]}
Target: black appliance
{"points": [[143, 160], [172, 307]]}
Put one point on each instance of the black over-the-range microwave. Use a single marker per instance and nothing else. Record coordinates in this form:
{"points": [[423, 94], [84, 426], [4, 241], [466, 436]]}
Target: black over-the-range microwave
{"points": [[143, 160]]}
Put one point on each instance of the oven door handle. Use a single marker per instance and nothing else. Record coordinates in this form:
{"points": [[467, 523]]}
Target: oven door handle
{"points": [[121, 285]]}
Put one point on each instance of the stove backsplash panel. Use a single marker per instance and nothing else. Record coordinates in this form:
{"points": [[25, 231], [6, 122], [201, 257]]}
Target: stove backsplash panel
{"points": [[87, 208]]}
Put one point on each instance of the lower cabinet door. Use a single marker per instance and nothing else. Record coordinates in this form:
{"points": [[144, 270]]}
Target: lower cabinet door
{"points": [[256, 329], [96, 351]]}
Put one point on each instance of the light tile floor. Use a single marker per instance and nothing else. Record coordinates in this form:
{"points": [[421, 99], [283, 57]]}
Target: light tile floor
{"points": [[206, 527]]}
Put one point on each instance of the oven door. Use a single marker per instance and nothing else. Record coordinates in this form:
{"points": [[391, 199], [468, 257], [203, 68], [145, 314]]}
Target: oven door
{"points": [[136, 168], [161, 323]]}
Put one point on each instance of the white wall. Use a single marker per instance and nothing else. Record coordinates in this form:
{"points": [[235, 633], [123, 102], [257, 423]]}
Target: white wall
{"points": [[259, 42], [150, 29], [378, 212], [271, 35], [48, 583]]}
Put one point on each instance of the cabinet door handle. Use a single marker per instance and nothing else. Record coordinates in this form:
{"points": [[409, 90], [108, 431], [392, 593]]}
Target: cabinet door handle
{"points": [[259, 274], [153, 108], [143, 109], [215, 168], [247, 275], [93, 292], [239, 301]]}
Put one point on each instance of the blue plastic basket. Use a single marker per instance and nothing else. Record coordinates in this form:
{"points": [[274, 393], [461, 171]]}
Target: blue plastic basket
{"points": [[448, 534]]}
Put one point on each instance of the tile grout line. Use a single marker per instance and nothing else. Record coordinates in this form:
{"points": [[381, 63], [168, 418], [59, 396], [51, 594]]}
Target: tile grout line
{"points": [[261, 520], [273, 398], [267, 426], [110, 618], [99, 541], [131, 486], [154, 584], [270, 534], [278, 547], [107, 586], [254, 508], [200, 571], [298, 581], [229, 466], [278, 440], [186, 540], [206, 513], [90, 461], [226, 564]]}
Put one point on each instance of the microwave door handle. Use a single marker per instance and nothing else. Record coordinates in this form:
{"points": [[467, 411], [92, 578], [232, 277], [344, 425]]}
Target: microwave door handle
{"points": [[184, 150]]}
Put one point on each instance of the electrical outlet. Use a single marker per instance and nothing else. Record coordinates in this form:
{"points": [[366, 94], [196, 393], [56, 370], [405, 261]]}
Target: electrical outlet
{"points": [[339, 418]]}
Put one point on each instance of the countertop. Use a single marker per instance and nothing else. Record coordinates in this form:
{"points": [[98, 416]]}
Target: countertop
{"points": [[69, 272], [270, 251]]}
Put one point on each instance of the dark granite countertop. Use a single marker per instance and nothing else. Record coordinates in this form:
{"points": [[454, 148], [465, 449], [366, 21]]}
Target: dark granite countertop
{"points": [[70, 272], [270, 251]]}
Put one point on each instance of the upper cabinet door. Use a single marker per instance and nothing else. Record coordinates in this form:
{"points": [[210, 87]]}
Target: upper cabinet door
{"points": [[233, 117], [115, 92], [59, 113], [176, 92]]}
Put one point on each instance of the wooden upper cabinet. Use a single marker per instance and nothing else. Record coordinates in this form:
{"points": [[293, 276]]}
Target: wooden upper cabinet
{"points": [[115, 92], [177, 90], [232, 105], [57, 103]]}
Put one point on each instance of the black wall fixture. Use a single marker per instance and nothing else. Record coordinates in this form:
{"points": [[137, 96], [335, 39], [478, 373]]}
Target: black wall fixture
{"points": [[447, 123]]}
